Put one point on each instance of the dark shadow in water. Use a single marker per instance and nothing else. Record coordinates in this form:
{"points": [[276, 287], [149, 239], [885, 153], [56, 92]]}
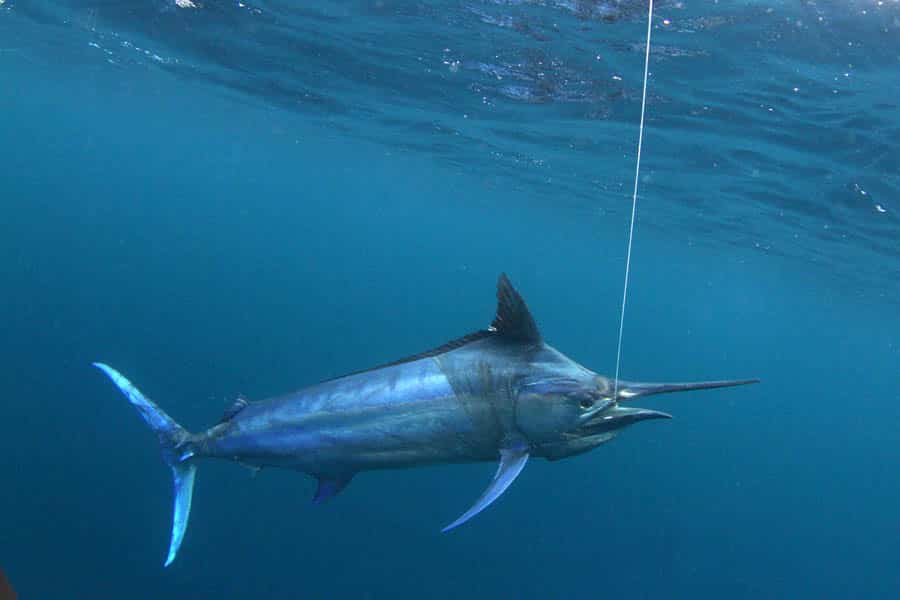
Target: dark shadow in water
{"points": [[6, 590]]}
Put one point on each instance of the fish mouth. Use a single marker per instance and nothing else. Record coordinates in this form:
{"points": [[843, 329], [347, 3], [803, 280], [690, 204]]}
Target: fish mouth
{"points": [[617, 417]]}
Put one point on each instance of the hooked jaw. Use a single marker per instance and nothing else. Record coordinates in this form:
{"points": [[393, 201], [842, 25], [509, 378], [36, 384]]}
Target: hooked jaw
{"points": [[616, 416]]}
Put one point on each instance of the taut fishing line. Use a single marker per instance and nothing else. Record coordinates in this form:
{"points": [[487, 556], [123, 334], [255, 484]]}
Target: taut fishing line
{"points": [[637, 174]]}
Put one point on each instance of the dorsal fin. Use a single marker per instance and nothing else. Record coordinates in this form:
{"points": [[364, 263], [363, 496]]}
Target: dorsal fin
{"points": [[513, 321]]}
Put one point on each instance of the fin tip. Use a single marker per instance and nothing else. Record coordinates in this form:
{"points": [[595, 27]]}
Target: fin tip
{"points": [[512, 461], [102, 366], [513, 320]]}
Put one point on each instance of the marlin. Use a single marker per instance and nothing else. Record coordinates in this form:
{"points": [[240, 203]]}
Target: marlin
{"points": [[500, 394]]}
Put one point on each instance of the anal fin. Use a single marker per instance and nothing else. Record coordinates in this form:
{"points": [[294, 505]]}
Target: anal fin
{"points": [[512, 461], [330, 486]]}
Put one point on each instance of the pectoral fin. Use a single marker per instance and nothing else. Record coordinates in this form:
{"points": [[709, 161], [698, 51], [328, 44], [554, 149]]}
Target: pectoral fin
{"points": [[512, 462]]}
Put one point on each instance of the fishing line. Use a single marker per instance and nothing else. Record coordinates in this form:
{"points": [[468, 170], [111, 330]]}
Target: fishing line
{"points": [[637, 174]]}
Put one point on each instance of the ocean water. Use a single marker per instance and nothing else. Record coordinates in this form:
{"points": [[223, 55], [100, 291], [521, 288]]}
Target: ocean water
{"points": [[250, 197]]}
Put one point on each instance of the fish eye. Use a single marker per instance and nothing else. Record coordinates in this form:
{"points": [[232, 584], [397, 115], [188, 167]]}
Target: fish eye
{"points": [[586, 402]]}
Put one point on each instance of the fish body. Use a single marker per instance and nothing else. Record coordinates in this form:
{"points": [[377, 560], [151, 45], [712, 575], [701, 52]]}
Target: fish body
{"points": [[500, 394]]}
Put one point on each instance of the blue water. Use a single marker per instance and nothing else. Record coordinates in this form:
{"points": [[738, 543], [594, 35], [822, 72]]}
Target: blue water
{"points": [[244, 198]]}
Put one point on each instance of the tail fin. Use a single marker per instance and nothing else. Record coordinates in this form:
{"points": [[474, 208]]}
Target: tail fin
{"points": [[175, 443]]}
